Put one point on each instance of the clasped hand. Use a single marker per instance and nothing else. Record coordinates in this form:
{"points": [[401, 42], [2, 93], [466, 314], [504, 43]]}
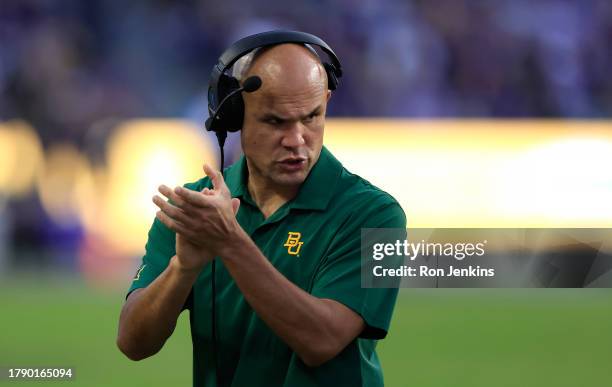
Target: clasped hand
{"points": [[204, 222]]}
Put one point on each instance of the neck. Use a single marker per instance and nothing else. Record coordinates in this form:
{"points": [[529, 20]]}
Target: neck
{"points": [[268, 198]]}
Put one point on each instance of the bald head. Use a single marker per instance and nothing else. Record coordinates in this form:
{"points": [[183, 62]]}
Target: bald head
{"points": [[289, 65]]}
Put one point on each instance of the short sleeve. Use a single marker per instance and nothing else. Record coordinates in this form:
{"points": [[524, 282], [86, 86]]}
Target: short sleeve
{"points": [[339, 278], [159, 249]]}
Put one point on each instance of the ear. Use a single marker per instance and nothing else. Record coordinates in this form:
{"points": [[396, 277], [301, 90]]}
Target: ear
{"points": [[329, 94]]}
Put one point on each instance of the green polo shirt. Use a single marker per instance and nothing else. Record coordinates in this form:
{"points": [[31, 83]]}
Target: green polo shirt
{"points": [[314, 241]]}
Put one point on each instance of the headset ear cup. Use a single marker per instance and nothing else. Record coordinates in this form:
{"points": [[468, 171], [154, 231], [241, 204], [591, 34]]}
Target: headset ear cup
{"points": [[332, 79], [231, 114]]}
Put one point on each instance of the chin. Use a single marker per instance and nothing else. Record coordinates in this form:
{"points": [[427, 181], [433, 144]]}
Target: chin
{"points": [[290, 179]]}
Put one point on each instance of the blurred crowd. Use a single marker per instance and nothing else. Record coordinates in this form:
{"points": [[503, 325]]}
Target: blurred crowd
{"points": [[75, 69], [65, 65]]}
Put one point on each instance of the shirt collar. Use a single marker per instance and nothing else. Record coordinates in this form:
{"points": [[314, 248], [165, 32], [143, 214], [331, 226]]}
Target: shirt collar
{"points": [[314, 194]]}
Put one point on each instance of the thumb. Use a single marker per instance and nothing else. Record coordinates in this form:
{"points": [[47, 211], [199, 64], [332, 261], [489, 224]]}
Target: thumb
{"points": [[235, 205], [216, 177]]}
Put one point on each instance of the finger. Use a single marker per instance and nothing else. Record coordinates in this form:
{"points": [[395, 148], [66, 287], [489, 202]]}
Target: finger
{"points": [[235, 205], [207, 191], [178, 201], [171, 195], [172, 211], [217, 179], [172, 224], [194, 198], [177, 227]]}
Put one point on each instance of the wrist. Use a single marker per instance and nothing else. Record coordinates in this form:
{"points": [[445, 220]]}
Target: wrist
{"points": [[189, 271], [235, 244]]}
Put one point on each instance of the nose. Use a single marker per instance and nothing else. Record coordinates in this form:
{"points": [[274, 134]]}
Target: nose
{"points": [[294, 136]]}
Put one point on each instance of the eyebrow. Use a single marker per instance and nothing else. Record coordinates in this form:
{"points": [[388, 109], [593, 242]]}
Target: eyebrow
{"points": [[269, 116]]}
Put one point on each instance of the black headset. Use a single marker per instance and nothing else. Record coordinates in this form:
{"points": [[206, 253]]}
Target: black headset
{"points": [[226, 112]]}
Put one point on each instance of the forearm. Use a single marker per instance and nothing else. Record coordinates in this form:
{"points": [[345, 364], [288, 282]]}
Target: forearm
{"points": [[316, 329], [149, 315], [306, 323]]}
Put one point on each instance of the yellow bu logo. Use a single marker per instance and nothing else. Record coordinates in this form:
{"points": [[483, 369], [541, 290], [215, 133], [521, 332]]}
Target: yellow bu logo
{"points": [[293, 243]]}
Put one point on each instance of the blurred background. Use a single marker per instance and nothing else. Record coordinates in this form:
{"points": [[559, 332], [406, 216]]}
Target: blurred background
{"points": [[471, 113]]}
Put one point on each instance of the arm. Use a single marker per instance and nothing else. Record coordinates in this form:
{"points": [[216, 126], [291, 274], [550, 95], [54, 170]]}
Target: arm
{"points": [[317, 329], [149, 315]]}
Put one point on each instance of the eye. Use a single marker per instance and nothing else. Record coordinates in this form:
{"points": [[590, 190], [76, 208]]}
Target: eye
{"points": [[311, 117], [272, 121]]}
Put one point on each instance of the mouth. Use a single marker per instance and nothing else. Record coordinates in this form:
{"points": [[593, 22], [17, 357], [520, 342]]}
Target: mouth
{"points": [[292, 163]]}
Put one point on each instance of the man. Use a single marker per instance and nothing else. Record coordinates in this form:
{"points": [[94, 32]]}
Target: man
{"points": [[285, 226]]}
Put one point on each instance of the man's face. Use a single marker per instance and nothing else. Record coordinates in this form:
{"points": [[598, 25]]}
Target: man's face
{"points": [[283, 126]]}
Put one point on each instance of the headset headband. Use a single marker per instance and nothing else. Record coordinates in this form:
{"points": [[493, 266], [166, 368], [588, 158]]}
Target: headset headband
{"points": [[245, 45]]}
